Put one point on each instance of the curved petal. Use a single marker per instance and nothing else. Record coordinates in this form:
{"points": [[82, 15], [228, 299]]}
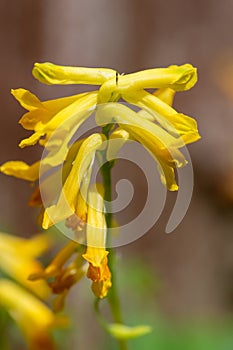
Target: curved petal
{"points": [[27, 100], [121, 114], [49, 73], [166, 95], [78, 108], [96, 254], [44, 111], [66, 204], [21, 170], [32, 316], [165, 115], [178, 78]]}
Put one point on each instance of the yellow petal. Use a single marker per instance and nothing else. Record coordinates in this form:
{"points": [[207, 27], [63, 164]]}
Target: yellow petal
{"points": [[20, 269], [96, 231], [72, 115], [30, 248], [61, 258], [27, 100], [96, 254], [33, 317], [96, 226], [170, 154], [30, 119], [163, 146], [166, 95], [167, 159], [176, 123], [178, 78], [71, 155], [49, 73], [101, 287], [81, 205], [167, 175], [115, 112], [42, 112], [18, 260], [21, 170], [66, 205], [117, 140]]}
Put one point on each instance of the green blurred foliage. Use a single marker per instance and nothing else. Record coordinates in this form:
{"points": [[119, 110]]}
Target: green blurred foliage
{"points": [[139, 289]]}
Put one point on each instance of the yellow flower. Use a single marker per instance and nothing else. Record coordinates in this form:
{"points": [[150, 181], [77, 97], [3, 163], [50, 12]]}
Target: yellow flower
{"points": [[80, 171], [63, 275], [96, 254], [163, 146], [175, 123], [32, 316], [21, 170], [46, 117], [178, 78], [49, 73], [18, 260]]}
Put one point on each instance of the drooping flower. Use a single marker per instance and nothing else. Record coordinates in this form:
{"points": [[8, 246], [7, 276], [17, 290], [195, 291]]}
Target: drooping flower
{"points": [[96, 254], [32, 316], [18, 260], [80, 171], [21, 297], [70, 263], [62, 272]]}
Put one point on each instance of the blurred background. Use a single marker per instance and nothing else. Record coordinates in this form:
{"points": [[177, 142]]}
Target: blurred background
{"points": [[182, 283]]}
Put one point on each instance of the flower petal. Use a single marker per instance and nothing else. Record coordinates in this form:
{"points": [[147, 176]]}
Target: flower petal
{"points": [[166, 95], [27, 100], [32, 316], [49, 73], [178, 78], [43, 111], [66, 204], [21, 170], [119, 113], [96, 254], [66, 117], [165, 115]]}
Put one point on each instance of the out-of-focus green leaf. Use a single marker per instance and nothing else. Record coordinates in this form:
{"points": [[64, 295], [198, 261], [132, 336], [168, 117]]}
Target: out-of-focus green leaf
{"points": [[121, 331]]}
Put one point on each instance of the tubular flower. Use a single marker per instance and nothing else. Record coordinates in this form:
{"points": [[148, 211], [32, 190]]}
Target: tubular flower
{"points": [[32, 316], [96, 254], [67, 202], [18, 260], [162, 145], [61, 274]]}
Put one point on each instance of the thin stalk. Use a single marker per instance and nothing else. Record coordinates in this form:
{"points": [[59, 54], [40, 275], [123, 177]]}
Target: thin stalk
{"points": [[112, 297]]}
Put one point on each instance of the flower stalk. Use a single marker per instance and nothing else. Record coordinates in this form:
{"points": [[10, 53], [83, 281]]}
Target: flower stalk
{"points": [[112, 296]]}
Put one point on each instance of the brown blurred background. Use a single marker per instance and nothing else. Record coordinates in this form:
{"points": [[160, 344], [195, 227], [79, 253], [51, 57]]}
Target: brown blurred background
{"points": [[194, 263]]}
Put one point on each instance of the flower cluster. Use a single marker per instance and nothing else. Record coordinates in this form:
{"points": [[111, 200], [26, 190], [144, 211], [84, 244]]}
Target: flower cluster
{"points": [[157, 126], [22, 298]]}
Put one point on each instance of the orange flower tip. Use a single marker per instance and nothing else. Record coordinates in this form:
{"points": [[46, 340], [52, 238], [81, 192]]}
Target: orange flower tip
{"points": [[101, 288]]}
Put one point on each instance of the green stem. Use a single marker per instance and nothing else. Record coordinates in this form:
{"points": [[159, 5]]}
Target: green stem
{"points": [[113, 297]]}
